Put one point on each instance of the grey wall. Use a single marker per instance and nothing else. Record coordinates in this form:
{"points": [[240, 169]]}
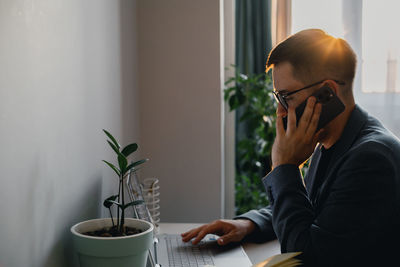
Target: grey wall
{"points": [[149, 71], [67, 70], [180, 119]]}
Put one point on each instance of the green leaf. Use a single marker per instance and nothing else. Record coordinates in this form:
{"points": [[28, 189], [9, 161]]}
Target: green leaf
{"points": [[133, 203], [112, 167], [134, 164], [252, 94], [230, 80], [113, 146], [123, 162], [227, 92], [129, 149], [112, 138], [115, 202], [233, 102], [241, 98], [110, 201]]}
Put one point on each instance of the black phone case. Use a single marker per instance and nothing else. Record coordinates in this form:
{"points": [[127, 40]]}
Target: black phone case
{"points": [[331, 107]]}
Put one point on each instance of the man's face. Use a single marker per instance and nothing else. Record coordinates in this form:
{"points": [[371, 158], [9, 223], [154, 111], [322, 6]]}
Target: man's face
{"points": [[284, 82]]}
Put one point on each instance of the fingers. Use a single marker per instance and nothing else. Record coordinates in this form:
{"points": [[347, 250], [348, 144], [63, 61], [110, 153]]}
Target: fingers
{"points": [[307, 114], [190, 234], [199, 233], [313, 124], [291, 120], [228, 230], [228, 238], [279, 125]]}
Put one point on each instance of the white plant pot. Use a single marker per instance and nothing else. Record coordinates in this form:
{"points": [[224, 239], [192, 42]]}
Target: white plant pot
{"points": [[125, 251]]}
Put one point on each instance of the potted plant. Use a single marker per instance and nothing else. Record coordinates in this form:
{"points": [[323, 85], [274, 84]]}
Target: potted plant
{"points": [[251, 96], [122, 242]]}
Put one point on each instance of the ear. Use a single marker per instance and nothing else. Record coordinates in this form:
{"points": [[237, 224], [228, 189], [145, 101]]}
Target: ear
{"points": [[333, 85]]}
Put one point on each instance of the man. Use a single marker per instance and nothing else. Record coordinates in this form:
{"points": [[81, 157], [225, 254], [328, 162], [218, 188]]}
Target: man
{"points": [[346, 211]]}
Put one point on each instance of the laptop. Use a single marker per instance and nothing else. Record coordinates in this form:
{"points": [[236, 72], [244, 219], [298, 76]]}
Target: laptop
{"points": [[170, 251]]}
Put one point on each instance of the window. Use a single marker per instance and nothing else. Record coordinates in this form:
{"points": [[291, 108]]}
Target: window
{"points": [[321, 14], [370, 28], [379, 46]]}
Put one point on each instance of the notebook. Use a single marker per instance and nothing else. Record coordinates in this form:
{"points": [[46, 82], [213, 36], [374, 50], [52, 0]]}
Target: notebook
{"points": [[281, 260]]}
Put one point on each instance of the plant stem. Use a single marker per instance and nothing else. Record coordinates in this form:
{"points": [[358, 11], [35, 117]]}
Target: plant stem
{"points": [[123, 205], [112, 219], [119, 194]]}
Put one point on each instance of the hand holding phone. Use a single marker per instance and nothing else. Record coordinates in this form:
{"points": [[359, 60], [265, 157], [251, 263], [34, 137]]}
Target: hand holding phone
{"points": [[331, 107]]}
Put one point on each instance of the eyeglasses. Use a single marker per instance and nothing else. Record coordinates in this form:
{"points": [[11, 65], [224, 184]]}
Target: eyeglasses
{"points": [[281, 97]]}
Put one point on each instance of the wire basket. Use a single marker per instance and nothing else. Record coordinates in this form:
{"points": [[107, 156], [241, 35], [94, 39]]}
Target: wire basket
{"points": [[151, 195], [149, 192]]}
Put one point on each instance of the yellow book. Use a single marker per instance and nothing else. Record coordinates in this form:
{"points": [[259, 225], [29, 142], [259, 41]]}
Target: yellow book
{"points": [[281, 260]]}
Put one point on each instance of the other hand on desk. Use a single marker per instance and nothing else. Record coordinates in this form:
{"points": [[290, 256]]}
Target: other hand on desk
{"points": [[228, 230]]}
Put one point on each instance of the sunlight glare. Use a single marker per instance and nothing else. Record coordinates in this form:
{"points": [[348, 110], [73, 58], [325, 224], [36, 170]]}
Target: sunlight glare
{"points": [[322, 14]]}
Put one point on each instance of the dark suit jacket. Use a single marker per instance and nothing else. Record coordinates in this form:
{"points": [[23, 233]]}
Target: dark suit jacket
{"points": [[353, 217]]}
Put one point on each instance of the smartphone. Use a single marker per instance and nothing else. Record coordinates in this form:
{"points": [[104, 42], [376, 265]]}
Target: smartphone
{"points": [[331, 107]]}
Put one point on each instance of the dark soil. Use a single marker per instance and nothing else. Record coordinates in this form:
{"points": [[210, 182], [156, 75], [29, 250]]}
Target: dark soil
{"points": [[113, 232]]}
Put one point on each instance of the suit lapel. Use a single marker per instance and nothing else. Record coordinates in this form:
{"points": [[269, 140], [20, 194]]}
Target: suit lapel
{"points": [[354, 125], [312, 171]]}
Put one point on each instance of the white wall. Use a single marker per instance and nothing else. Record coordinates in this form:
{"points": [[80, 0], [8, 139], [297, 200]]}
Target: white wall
{"points": [[67, 70], [71, 68], [229, 116], [180, 119]]}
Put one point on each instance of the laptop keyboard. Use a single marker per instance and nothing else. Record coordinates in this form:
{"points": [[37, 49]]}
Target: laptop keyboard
{"points": [[181, 254]]}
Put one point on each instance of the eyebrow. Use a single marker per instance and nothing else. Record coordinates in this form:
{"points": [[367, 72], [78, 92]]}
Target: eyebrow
{"points": [[283, 91]]}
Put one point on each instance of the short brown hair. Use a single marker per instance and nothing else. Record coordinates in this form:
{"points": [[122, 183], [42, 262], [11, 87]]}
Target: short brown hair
{"points": [[315, 55]]}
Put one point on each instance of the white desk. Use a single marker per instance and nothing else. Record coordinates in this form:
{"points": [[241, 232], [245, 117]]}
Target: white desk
{"points": [[256, 252]]}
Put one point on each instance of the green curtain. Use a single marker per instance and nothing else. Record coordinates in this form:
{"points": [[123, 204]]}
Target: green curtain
{"points": [[252, 45], [253, 35]]}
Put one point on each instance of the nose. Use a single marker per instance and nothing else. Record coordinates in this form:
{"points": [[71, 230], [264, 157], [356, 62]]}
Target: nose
{"points": [[281, 111]]}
